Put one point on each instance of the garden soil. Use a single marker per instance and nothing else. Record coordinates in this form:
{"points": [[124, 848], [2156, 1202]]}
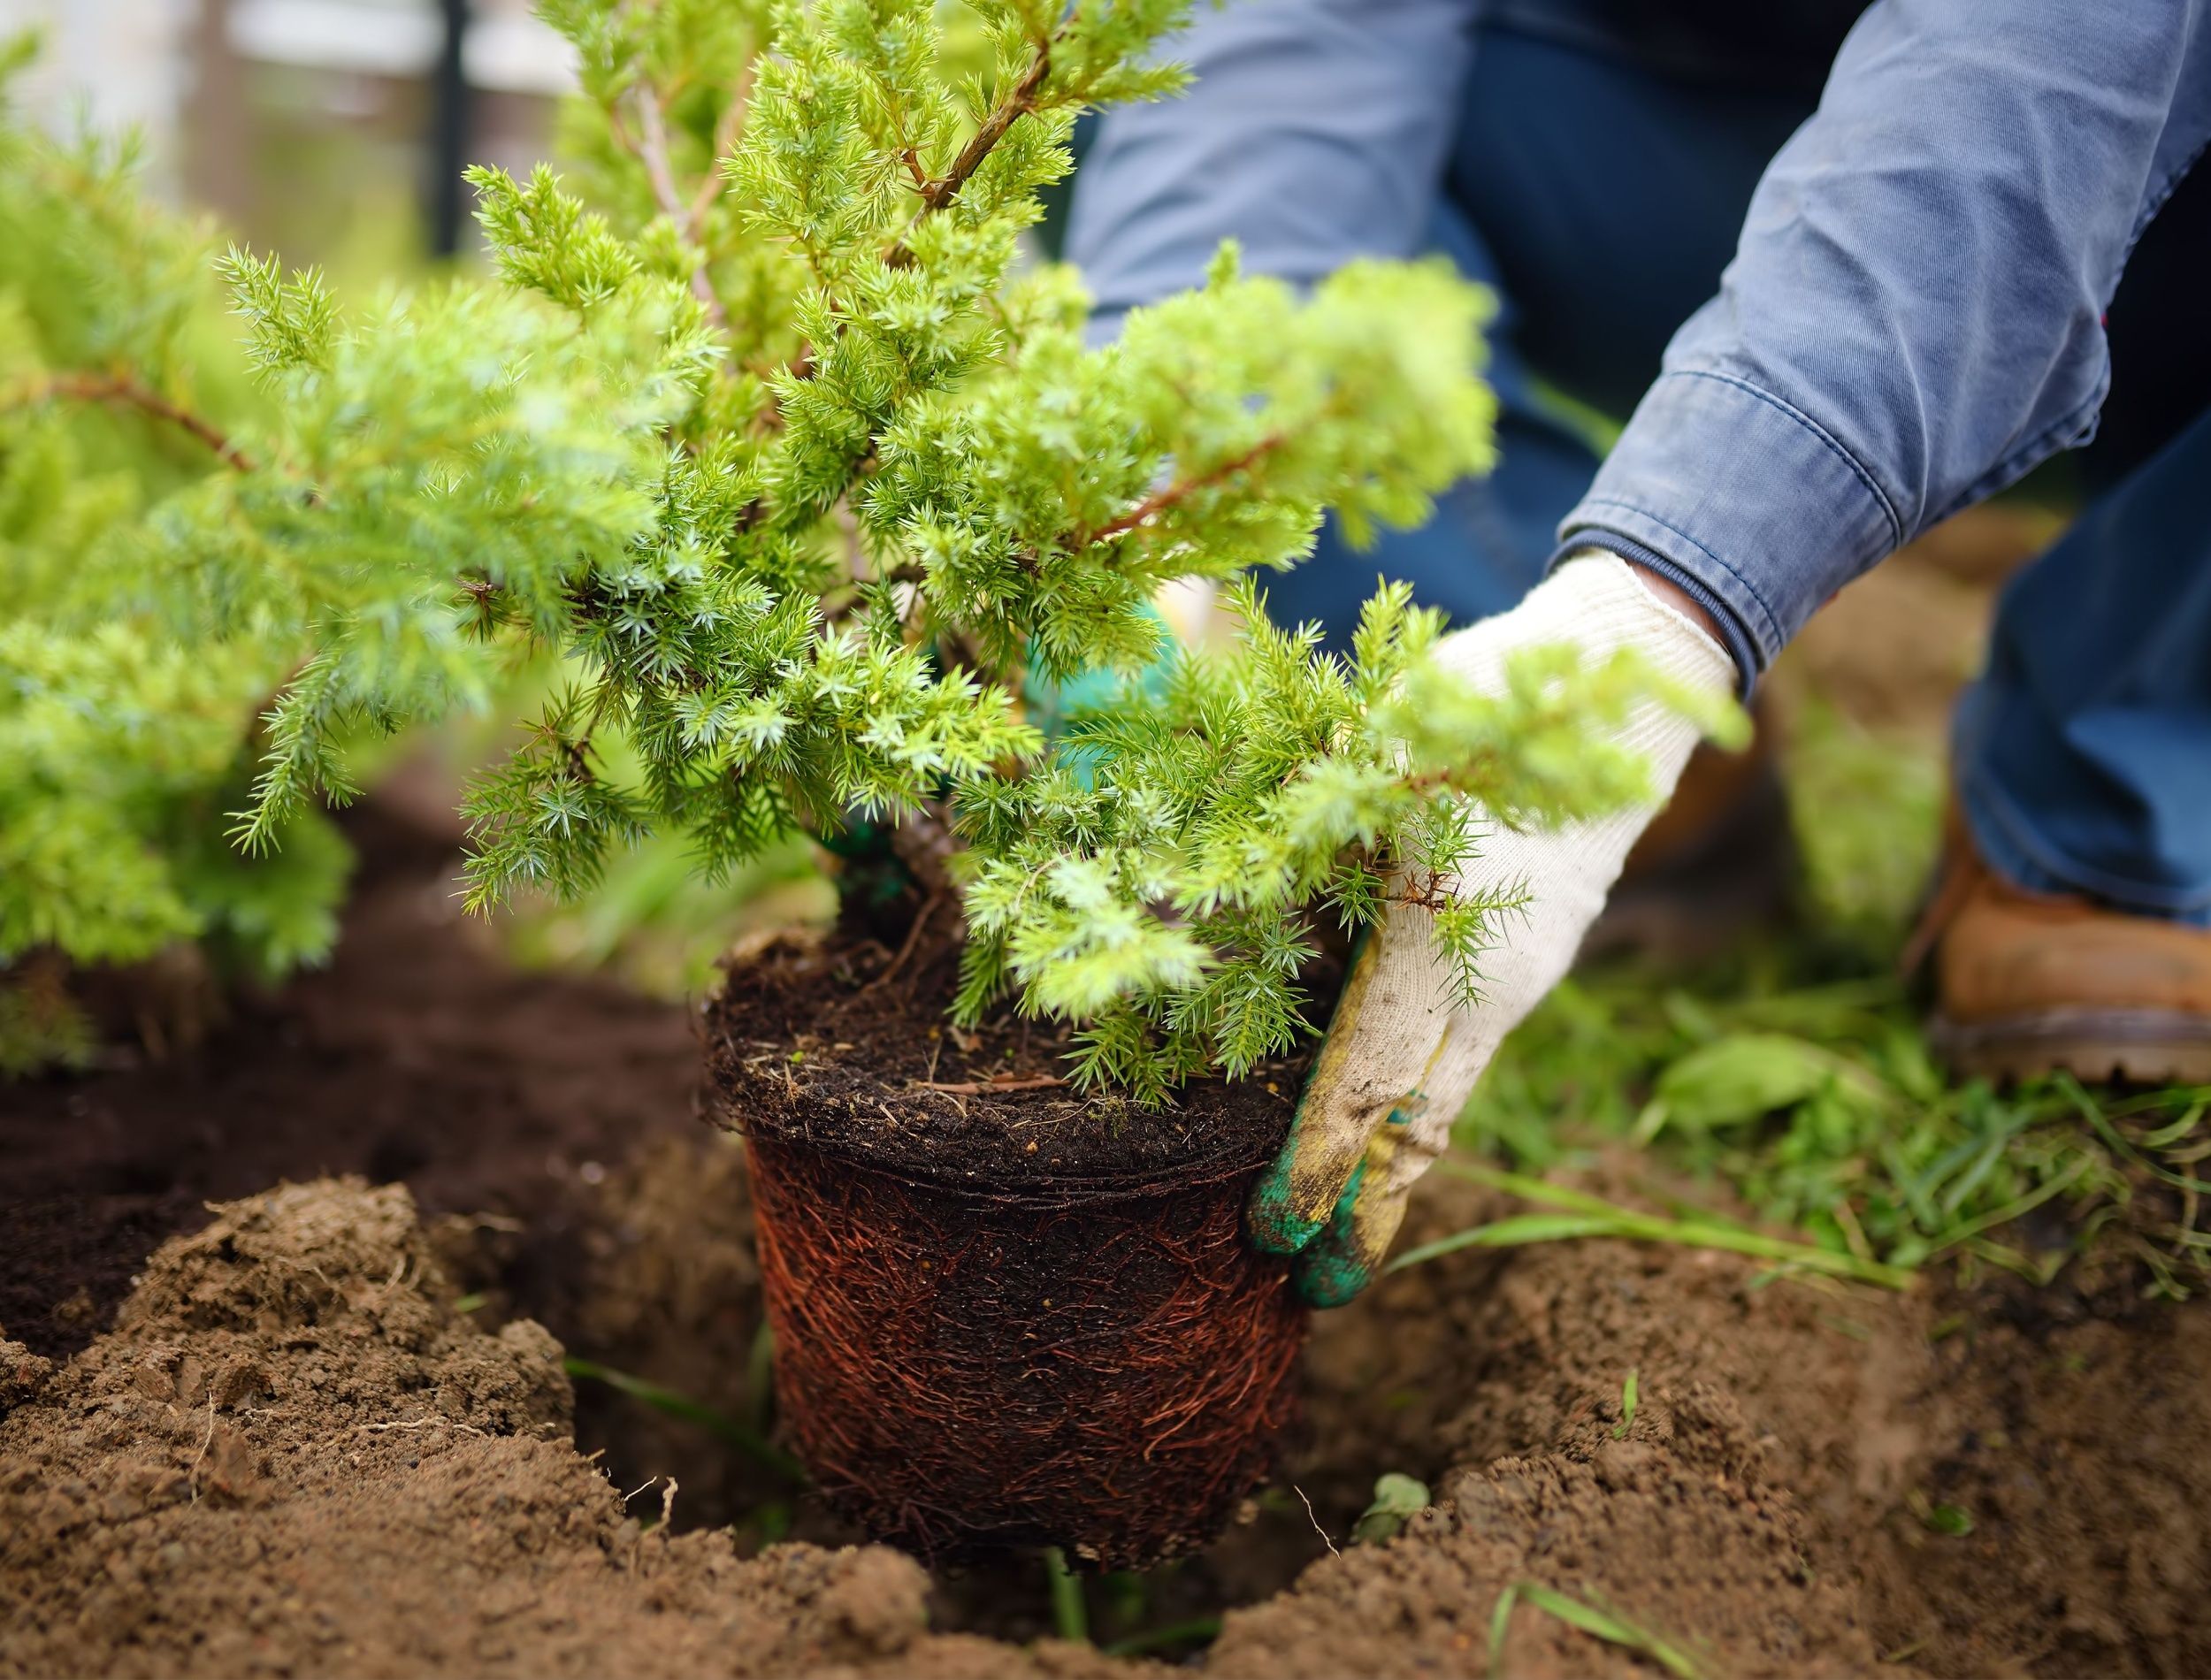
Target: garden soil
{"points": [[418, 1056], [329, 1432], [292, 1456]]}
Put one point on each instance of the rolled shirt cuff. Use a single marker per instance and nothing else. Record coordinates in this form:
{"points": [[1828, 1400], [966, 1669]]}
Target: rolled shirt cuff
{"points": [[1744, 500], [1733, 635]]}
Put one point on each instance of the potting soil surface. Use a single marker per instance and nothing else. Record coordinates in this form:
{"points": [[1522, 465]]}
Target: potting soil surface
{"points": [[851, 1044], [326, 1429]]}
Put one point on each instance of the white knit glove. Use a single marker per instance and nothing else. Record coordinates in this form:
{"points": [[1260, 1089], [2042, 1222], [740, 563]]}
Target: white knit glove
{"points": [[1402, 1055]]}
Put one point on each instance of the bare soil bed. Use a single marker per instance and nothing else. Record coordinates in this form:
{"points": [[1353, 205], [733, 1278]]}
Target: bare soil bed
{"points": [[325, 1429]]}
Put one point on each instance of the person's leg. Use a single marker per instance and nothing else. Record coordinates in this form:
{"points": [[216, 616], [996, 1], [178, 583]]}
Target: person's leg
{"points": [[2084, 753], [2075, 922], [1599, 201], [2079, 914]]}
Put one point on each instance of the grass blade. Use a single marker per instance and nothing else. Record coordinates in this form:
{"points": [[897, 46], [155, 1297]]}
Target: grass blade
{"points": [[1602, 1624], [749, 1441], [1630, 1390], [1200, 1629], [2011, 1211], [1541, 1191], [2164, 1136], [1593, 1217], [1070, 1610], [1501, 1623], [2091, 1111], [1508, 1234]]}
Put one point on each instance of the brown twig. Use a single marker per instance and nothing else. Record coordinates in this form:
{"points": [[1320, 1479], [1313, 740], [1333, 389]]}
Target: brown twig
{"points": [[907, 948], [725, 127], [1428, 894], [1017, 103], [1181, 489], [191, 1474], [987, 1087], [650, 148], [121, 388]]}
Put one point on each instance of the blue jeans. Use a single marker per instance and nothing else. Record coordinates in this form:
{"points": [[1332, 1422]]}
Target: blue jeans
{"points": [[1600, 201]]}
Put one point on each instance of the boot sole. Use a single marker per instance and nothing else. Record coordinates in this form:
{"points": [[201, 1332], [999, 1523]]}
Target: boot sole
{"points": [[2139, 1046]]}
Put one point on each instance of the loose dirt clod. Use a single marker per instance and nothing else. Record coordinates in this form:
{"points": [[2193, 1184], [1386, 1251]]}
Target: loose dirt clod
{"points": [[417, 1054], [292, 1456]]}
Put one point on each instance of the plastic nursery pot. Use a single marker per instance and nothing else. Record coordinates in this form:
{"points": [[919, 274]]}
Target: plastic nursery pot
{"points": [[1004, 1315]]}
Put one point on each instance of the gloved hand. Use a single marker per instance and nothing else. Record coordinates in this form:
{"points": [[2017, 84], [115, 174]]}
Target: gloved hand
{"points": [[1402, 1055]]}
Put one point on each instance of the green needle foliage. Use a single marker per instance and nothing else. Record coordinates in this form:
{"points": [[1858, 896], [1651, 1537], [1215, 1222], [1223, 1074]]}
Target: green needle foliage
{"points": [[1160, 877], [121, 744], [764, 426]]}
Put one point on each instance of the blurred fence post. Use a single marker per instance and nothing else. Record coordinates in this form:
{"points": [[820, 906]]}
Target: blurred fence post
{"points": [[451, 131], [217, 137]]}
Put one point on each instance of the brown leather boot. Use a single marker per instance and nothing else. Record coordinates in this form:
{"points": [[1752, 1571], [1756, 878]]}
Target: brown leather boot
{"points": [[2027, 984]]}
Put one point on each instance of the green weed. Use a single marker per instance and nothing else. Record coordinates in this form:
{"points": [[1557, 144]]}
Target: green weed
{"points": [[1939, 1518], [1199, 1630], [1589, 1619], [1070, 1610], [1397, 1500], [1627, 1408], [1579, 1214], [746, 1440], [1811, 1095]]}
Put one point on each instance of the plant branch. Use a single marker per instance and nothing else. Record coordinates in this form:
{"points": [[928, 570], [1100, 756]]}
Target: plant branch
{"points": [[1181, 490], [1020, 100], [924, 843], [121, 388], [725, 129], [650, 148], [1017, 103]]}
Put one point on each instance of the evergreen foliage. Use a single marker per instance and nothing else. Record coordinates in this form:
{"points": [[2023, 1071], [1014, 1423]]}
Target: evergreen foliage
{"points": [[121, 746], [1160, 878], [810, 480]]}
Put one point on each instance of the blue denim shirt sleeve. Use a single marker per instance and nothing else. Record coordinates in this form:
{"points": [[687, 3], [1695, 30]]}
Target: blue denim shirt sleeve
{"points": [[1913, 318], [1315, 134], [1914, 315]]}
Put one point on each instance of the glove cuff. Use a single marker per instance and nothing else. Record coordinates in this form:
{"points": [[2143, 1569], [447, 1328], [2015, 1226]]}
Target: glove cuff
{"points": [[1598, 602]]}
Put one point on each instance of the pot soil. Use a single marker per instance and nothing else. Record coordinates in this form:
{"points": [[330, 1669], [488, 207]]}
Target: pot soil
{"points": [[1005, 1314]]}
